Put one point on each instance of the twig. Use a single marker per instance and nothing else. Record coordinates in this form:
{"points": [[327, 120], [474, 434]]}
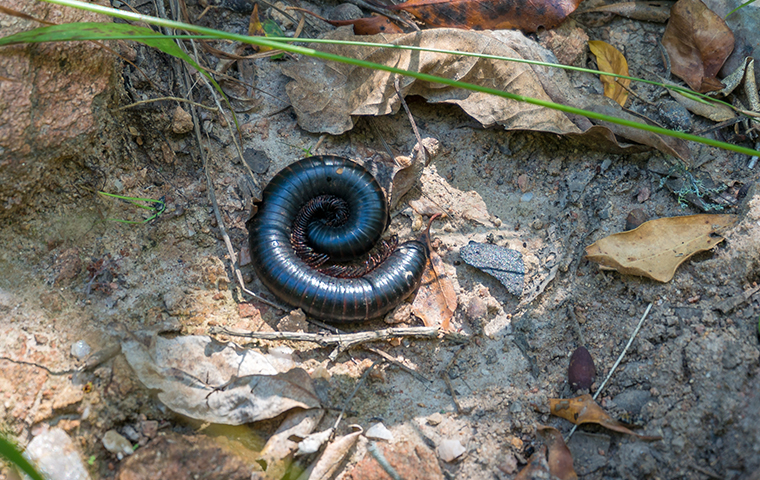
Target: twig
{"points": [[614, 367], [174, 99], [423, 150], [447, 380], [37, 365], [347, 339], [400, 365]]}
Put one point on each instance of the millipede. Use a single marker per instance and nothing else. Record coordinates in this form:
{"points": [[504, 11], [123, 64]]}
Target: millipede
{"points": [[321, 211]]}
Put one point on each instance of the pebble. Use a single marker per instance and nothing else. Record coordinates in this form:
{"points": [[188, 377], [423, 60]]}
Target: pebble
{"points": [[450, 450], [635, 218], [56, 456], [80, 349], [435, 419], [527, 197], [115, 443], [379, 431]]}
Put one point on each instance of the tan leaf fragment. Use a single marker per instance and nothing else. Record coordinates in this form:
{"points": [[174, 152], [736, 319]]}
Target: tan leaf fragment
{"points": [[584, 409], [609, 59], [717, 112], [436, 299], [656, 248], [559, 457]]}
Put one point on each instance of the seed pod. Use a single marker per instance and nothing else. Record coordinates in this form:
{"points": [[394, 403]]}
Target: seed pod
{"points": [[581, 372]]}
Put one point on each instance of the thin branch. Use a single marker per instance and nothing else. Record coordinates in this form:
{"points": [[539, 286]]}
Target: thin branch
{"points": [[174, 99]]}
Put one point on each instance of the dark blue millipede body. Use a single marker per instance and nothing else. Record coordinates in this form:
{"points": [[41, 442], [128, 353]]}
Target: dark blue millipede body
{"points": [[296, 282]]}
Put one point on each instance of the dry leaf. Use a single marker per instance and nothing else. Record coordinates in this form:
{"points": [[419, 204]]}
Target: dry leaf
{"points": [[277, 455], [584, 409], [373, 25], [490, 14], [325, 95], [559, 458], [656, 248], [609, 59], [717, 112], [218, 383], [658, 12], [436, 299], [698, 42]]}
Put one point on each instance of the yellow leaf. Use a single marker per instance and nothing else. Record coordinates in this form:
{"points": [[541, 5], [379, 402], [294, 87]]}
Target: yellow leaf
{"points": [[658, 247], [609, 59]]}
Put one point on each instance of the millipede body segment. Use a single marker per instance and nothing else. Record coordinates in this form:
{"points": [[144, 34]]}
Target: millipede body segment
{"points": [[345, 221]]}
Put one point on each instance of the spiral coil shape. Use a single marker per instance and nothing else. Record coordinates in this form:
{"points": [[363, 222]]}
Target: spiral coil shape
{"points": [[297, 283]]}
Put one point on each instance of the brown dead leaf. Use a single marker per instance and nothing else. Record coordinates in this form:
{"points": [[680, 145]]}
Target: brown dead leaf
{"points": [[328, 463], [657, 11], [717, 112], [490, 14], [436, 298], [609, 59], [325, 95], [373, 25], [698, 42], [656, 248], [584, 409], [559, 457]]}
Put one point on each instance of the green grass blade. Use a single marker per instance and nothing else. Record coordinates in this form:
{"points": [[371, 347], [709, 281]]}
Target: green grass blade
{"points": [[268, 42], [69, 32], [8, 450]]}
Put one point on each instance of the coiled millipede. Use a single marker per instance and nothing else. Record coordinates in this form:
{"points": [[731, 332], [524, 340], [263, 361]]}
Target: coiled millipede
{"points": [[324, 209]]}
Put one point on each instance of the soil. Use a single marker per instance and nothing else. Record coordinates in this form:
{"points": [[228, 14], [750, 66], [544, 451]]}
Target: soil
{"points": [[690, 376]]}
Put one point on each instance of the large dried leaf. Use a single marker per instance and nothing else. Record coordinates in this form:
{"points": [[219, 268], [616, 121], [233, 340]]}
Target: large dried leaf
{"points": [[325, 95], [584, 409], [656, 248], [213, 382], [698, 42], [609, 59], [490, 14]]}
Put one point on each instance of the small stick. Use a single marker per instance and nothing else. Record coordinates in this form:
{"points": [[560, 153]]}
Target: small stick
{"points": [[423, 151], [614, 367], [400, 365], [340, 339]]}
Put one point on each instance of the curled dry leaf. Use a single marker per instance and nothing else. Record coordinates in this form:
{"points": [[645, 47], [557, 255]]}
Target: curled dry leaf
{"points": [[584, 409], [326, 95], [490, 14], [559, 457], [656, 248], [717, 112], [609, 59], [698, 42]]}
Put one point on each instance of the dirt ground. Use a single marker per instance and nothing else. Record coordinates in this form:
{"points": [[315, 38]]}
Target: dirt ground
{"points": [[690, 376]]}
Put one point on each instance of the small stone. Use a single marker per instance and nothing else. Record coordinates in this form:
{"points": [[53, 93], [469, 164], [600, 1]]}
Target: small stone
{"points": [[435, 419], [476, 309], [295, 321], [115, 443], [527, 197], [80, 349], [449, 450], [182, 122], [635, 219], [537, 224], [523, 183], [56, 456], [379, 431]]}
